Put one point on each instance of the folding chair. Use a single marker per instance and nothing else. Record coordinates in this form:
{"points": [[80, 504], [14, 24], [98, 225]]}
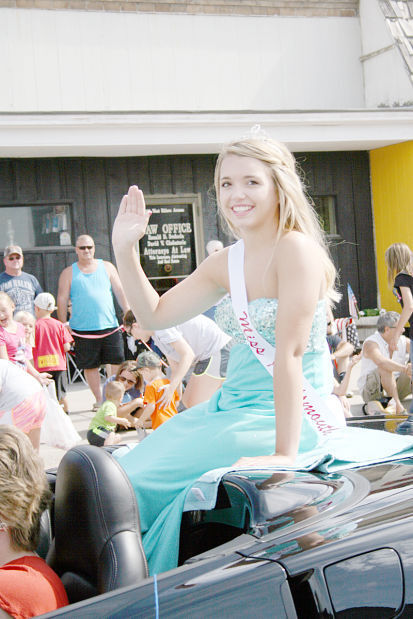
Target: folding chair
{"points": [[73, 372]]}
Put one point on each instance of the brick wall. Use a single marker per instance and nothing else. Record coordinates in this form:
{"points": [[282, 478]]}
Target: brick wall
{"points": [[299, 8]]}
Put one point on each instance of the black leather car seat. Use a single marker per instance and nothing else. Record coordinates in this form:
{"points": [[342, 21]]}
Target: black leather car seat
{"points": [[97, 545]]}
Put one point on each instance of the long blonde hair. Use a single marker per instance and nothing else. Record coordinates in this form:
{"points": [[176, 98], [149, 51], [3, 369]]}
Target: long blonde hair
{"points": [[398, 257], [295, 210]]}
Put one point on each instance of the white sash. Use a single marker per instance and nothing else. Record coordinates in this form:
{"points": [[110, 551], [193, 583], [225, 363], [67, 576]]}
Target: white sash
{"points": [[321, 417]]}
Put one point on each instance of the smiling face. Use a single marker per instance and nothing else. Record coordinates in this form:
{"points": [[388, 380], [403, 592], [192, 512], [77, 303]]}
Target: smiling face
{"points": [[6, 310], [247, 194], [127, 378]]}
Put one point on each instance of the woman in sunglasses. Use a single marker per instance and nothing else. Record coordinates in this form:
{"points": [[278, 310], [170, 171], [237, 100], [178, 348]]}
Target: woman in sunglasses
{"points": [[132, 402]]}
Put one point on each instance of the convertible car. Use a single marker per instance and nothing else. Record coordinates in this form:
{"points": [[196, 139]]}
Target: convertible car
{"points": [[276, 544]]}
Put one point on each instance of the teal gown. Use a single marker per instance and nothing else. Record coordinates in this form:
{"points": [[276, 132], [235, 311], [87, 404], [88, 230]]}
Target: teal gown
{"points": [[239, 420]]}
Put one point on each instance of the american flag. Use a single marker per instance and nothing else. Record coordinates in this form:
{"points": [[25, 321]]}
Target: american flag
{"points": [[352, 303]]}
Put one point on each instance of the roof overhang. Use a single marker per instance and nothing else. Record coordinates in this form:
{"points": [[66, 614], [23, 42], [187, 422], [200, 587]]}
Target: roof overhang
{"points": [[119, 134]]}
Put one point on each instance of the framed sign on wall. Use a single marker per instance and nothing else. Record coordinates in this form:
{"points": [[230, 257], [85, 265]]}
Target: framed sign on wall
{"points": [[173, 244]]}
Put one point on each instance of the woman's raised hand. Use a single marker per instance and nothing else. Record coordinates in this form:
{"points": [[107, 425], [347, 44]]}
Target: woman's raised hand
{"points": [[131, 220]]}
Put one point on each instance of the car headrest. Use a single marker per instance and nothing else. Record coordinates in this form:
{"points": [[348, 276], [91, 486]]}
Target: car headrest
{"points": [[97, 545]]}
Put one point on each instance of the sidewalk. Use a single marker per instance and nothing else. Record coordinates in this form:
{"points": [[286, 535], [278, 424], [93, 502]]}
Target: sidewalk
{"points": [[80, 406]]}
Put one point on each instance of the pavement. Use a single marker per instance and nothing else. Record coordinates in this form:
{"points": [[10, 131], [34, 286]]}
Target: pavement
{"points": [[80, 400]]}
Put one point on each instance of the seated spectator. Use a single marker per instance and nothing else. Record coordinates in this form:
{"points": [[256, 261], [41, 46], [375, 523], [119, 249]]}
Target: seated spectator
{"points": [[151, 369], [103, 425], [197, 352], [28, 586], [378, 370], [341, 389], [132, 401], [340, 350]]}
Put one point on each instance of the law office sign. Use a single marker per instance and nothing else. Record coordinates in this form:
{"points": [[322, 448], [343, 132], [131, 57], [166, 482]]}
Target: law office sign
{"points": [[173, 243]]}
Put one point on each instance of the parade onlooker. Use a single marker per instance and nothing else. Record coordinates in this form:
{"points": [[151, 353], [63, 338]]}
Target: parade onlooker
{"points": [[103, 425], [340, 350], [28, 586], [90, 283], [399, 263], [132, 380], [28, 321], [52, 341], [378, 369], [214, 245], [150, 367], [13, 345], [21, 287], [197, 350], [137, 340]]}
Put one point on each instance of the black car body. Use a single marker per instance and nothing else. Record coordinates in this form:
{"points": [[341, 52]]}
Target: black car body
{"points": [[286, 544]]}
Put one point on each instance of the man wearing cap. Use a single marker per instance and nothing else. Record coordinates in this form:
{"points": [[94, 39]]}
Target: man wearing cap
{"points": [[21, 287], [90, 283]]}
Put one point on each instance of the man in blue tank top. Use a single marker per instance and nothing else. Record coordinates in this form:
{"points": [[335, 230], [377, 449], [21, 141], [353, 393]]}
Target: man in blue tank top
{"points": [[90, 285]]}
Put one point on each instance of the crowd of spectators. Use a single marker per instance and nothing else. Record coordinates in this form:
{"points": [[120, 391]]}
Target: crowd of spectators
{"points": [[185, 364]]}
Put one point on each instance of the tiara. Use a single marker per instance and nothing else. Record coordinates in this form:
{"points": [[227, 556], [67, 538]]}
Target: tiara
{"points": [[256, 133]]}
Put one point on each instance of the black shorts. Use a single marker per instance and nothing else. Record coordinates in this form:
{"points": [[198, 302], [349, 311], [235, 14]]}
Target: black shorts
{"points": [[97, 439], [59, 377], [93, 352]]}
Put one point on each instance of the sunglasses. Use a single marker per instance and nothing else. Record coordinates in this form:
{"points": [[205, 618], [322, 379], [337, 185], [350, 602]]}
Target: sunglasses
{"points": [[126, 380], [84, 247], [11, 258]]}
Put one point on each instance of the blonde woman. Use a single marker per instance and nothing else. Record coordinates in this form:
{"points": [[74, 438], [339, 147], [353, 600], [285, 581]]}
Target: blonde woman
{"points": [[280, 278], [399, 264]]}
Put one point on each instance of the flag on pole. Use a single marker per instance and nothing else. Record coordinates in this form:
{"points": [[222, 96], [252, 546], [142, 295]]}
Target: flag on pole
{"points": [[352, 303]]}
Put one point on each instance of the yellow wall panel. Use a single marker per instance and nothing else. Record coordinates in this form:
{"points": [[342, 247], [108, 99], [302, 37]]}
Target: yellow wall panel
{"points": [[392, 195]]}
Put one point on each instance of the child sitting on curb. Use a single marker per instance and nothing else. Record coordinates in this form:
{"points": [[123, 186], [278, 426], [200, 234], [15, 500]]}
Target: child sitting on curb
{"points": [[103, 425], [150, 366]]}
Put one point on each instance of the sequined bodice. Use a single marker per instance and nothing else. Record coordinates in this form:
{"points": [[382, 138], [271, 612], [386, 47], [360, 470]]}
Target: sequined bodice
{"points": [[263, 313]]}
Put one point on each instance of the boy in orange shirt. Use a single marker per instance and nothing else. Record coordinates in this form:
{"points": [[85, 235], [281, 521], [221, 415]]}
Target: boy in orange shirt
{"points": [[150, 367]]}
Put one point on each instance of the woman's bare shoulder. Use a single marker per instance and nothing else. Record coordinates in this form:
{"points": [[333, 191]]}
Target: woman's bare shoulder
{"points": [[300, 245]]}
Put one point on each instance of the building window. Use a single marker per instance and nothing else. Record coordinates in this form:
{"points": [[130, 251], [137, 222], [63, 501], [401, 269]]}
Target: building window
{"points": [[325, 207], [36, 225]]}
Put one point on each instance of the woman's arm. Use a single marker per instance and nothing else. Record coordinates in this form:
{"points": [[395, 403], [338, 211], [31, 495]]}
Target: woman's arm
{"points": [[300, 278], [178, 370], [300, 281], [3, 352], [406, 312], [199, 291]]}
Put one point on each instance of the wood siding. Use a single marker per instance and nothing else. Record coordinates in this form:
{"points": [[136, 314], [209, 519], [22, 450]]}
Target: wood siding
{"points": [[94, 187]]}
